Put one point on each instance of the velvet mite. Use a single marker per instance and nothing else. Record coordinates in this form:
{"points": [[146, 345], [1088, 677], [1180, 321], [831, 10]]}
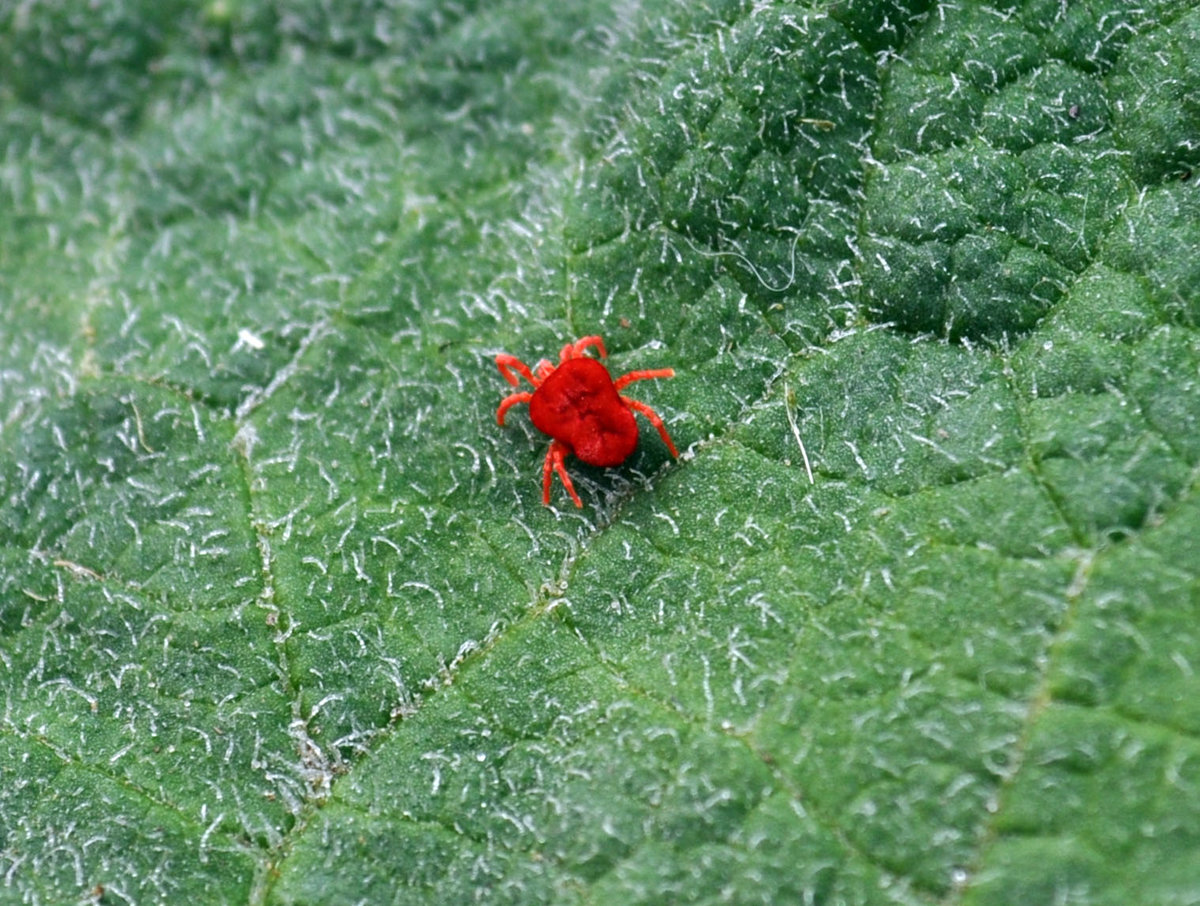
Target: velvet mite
{"points": [[581, 407]]}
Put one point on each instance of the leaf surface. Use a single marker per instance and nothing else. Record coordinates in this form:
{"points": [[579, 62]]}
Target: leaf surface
{"points": [[282, 617]]}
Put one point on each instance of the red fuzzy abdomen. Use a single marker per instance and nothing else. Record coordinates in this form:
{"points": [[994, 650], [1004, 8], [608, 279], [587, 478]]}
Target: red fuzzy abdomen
{"points": [[578, 405]]}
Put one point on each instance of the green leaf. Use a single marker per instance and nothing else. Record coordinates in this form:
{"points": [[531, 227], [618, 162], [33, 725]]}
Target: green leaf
{"points": [[283, 619]]}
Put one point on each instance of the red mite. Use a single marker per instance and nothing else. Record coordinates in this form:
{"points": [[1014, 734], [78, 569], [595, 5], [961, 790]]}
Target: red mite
{"points": [[581, 407]]}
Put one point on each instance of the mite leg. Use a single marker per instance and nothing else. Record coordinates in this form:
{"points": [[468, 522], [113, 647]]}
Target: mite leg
{"points": [[542, 370], [576, 350], [632, 376], [508, 402], [554, 463], [508, 364], [653, 418]]}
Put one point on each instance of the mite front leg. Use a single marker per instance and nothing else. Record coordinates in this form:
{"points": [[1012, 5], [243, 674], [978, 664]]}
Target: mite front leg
{"points": [[508, 364], [579, 347], [508, 402]]}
